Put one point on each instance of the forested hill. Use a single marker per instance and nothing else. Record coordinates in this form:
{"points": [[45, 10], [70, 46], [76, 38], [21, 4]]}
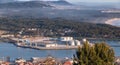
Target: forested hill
{"points": [[59, 27], [31, 4]]}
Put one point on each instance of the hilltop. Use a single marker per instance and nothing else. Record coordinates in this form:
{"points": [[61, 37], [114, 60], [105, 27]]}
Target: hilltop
{"points": [[59, 2]]}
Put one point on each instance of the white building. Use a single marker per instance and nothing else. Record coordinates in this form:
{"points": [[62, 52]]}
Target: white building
{"points": [[47, 45], [7, 35], [19, 60], [50, 45], [77, 42], [72, 43], [66, 38], [84, 40]]}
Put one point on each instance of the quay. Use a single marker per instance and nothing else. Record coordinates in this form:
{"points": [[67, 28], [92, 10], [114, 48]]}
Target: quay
{"points": [[61, 43], [48, 48]]}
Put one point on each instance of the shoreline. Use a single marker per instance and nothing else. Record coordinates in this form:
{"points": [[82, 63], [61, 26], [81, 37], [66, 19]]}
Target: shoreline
{"points": [[111, 21]]}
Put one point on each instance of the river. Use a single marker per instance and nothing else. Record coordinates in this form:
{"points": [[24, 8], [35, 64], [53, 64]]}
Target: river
{"points": [[8, 49]]}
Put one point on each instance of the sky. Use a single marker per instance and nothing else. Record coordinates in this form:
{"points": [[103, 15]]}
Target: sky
{"points": [[94, 0], [84, 0], [72, 1]]}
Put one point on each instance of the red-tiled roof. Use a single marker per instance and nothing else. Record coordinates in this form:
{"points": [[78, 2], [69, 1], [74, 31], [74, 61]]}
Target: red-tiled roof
{"points": [[67, 63]]}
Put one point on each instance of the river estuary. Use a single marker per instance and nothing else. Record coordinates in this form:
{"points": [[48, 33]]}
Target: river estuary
{"points": [[8, 49]]}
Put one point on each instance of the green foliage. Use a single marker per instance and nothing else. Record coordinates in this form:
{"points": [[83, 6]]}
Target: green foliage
{"points": [[79, 29], [98, 54]]}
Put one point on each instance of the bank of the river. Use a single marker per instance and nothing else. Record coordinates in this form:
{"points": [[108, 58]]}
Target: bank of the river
{"points": [[6, 40], [79, 38], [113, 21], [100, 39]]}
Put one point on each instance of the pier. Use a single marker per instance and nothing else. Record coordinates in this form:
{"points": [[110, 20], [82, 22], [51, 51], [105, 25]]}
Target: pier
{"points": [[60, 47]]}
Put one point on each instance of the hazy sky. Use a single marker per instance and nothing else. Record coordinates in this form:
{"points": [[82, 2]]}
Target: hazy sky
{"points": [[86, 0], [94, 0], [72, 1]]}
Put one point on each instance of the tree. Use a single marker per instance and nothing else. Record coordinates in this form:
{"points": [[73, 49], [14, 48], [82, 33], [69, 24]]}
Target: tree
{"points": [[97, 54]]}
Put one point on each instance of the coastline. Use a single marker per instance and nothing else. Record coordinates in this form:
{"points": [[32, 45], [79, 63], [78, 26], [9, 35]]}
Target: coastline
{"points": [[111, 21]]}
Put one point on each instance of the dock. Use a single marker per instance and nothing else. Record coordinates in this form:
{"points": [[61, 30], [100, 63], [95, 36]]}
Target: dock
{"points": [[60, 47]]}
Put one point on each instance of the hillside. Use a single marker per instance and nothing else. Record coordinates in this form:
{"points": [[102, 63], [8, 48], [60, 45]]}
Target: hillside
{"points": [[59, 27], [32, 4], [28, 4]]}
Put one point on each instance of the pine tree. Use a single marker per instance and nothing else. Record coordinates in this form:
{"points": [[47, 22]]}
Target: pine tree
{"points": [[98, 54]]}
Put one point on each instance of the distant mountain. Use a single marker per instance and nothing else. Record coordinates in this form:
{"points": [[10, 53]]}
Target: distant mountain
{"points": [[27, 4], [32, 4], [60, 2]]}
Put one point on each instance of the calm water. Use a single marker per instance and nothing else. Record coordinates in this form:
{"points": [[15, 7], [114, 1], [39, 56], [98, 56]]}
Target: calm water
{"points": [[7, 49], [116, 23]]}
